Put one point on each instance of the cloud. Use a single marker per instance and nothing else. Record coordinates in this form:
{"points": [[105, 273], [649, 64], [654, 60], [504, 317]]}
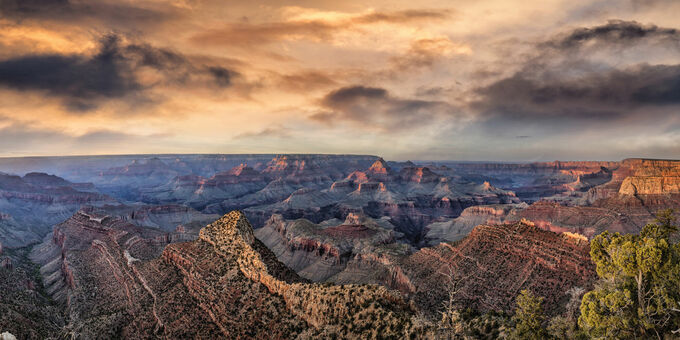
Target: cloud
{"points": [[376, 106], [78, 79], [273, 131], [559, 91], [113, 72], [526, 92], [615, 32], [425, 52], [313, 28], [25, 138], [121, 15], [305, 81]]}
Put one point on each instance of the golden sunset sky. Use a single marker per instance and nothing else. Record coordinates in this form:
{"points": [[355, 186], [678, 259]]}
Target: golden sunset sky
{"points": [[460, 80]]}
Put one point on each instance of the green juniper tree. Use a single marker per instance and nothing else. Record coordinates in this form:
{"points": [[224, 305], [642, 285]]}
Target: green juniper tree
{"points": [[528, 317], [638, 294]]}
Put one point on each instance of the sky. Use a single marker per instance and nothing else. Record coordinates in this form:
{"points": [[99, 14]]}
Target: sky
{"points": [[494, 80]]}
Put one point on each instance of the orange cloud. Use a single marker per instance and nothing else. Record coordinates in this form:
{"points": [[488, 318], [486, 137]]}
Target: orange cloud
{"points": [[314, 26]]}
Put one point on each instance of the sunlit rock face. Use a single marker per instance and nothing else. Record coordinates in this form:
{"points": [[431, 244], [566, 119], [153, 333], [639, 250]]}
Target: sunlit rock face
{"points": [[651, 177], [457, 228]]}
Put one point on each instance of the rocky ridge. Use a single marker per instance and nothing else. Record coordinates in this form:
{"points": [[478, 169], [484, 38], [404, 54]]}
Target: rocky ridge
{"points": [[121, 280], [495, 262]]}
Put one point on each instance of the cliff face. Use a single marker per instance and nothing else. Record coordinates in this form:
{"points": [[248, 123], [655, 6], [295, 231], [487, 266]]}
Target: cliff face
{"points": [[585, 220], [225, 284], [650, 185], [651, 177], [495, 262]]}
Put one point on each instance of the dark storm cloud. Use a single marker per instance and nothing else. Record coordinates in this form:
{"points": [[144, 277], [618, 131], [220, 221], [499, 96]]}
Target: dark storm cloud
{"points": [[351, 95], [526, 92], [615, 32], [119, 15], [560, 91], [84, 81], [376, 105], [75, 78]]}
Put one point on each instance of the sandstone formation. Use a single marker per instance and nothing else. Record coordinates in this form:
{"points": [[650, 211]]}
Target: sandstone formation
{"points": [[588, 221], [492, 264], [167, 217], [533, 181], [651, 177], [196, 191]]}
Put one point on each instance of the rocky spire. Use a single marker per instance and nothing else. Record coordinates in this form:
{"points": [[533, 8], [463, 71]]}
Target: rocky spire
{"points": [[379, 167]]}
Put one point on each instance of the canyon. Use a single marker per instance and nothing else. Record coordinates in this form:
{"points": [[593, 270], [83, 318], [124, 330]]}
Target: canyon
{"points": [[308, 245]]}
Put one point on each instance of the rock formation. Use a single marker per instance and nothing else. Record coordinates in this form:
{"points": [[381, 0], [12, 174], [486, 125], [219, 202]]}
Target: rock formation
{"points": [[651, 177], [533, 181], [495, 262], [492, 264], [457, 228], [226, 284], [411, 198], [319, 252]]}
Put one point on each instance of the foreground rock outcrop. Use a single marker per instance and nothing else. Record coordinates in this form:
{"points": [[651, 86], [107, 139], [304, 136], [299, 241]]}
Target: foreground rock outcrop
{"points": [[121, 280]]}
